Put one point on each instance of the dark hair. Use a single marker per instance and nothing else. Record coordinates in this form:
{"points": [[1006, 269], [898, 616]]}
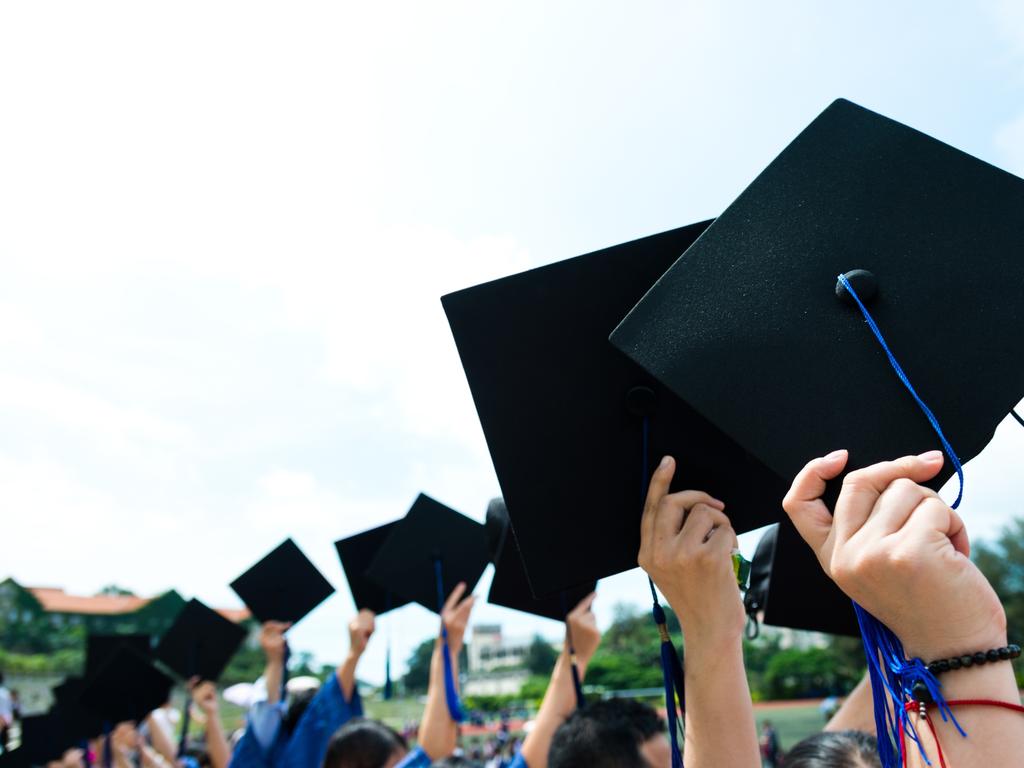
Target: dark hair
{"points": [[296, 709], [605, 734], [362, 743], [835, 749], [457, 761]]}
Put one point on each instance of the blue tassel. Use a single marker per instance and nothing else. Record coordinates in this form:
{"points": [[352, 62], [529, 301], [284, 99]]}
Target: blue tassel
{"points": [[671, 665], [388, 690], [893, 676], [451, 693], [672, 674], [108, 750], [577, 684]]}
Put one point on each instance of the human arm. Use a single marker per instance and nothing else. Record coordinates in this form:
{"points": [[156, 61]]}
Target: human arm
{"points": [[438, 732], [273, 643], [160, 737], [560, 697], [899, 551], [204, 696], [857, 712], [686, 543], [360, 629]]}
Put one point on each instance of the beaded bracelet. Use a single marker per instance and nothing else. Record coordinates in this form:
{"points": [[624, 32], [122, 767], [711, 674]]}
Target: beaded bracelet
{"points": [[1006, 653]]}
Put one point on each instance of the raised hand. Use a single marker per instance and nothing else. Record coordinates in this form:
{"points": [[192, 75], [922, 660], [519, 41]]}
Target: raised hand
{"points": [[204, 696], [272, 639], [686, 543], [901, 552], [582, 624], [360, 629], [455, 616]]}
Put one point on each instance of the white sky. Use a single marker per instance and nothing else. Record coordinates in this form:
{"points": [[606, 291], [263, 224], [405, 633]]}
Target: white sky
{"points": [[224, 229]]}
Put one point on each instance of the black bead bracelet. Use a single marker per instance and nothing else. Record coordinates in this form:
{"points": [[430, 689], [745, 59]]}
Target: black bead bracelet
{"points": [[1006, 653]]}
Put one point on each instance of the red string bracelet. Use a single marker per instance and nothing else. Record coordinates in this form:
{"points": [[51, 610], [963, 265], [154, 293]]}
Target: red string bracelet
{"points": [[921, 708]]}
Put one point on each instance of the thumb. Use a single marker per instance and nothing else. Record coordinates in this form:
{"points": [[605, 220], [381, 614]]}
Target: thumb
{"points": [[803, 503]]}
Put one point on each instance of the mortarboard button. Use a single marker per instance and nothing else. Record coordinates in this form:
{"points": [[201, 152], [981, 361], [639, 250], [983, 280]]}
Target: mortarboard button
{"points": [[863, 282], [641, 401]]}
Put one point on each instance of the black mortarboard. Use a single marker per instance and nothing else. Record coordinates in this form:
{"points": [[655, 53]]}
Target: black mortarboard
{"points": [[356, 553], [75, 718], [283, 586], [44, 738], [430, 532], [200, 642], [127, 687], [99, 648], [511, 589], [748, 326], [563, 413], [789, 588]]}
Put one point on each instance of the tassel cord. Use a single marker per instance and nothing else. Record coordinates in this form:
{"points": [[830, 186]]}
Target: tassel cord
{"points": [[892, 674], [671, 664]]}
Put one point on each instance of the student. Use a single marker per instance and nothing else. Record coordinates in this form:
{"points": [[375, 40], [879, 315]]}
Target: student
{"points": [[835, 749], [617, 733], [276, 737], [560, 703], [204, 696], [686, 543], [6, 714], [366, 744], [897, 549]]}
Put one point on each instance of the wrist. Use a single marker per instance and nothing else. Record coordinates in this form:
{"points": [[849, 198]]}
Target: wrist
{"points": [[930, 649]]}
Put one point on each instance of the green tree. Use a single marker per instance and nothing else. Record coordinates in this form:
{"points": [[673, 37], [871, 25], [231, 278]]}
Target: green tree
{"points": [[630, 652], [1002, 562], [112, 590], [540, 657], [417, 677]]}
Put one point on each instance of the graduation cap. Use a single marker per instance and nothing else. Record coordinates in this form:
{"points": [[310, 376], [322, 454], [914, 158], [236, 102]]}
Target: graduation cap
{"points": [[751, 328], [283, 586], [44, 738], [79, 722], [867, 256], [575, 428], [788, 588], [510, 587], [429, 538], [127, 687], [200, 642], [356, 554], [99, 648]]}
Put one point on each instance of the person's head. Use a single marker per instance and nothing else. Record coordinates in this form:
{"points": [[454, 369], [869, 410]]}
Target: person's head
{"points": [[617, 733], [297, 705], [362, 743], [838, 749]]}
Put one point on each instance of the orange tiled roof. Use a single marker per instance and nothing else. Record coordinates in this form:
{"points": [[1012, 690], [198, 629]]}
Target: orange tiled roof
{"points": [[56, 600]]}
